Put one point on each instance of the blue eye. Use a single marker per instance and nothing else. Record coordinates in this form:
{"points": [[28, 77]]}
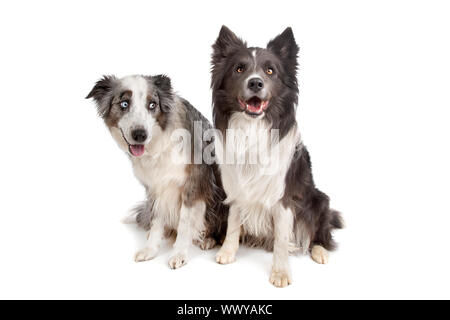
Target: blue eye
{"points": [[152, 105], [124, 104]]}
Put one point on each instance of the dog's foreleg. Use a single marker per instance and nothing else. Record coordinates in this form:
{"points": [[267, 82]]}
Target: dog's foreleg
{"points": [[283, 220], [155, 236], [189, 226], [227, 254]]}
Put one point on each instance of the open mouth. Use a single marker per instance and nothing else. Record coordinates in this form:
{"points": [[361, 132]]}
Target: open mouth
{"points": [[136, 150], [254, 106]]}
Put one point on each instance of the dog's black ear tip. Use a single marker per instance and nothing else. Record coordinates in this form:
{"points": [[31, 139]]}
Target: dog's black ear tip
{"points": [[225, 31], [162, 77], [288, 32], [90, 94]]}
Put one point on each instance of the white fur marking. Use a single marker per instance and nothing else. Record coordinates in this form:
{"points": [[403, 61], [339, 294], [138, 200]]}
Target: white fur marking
{"points": [[283, 220], [227, 254], [138, 115], [251, 185], [255, 196]]}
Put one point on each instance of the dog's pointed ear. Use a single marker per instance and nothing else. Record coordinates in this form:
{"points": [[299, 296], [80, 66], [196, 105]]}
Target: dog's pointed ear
{"points": [[226, 43], [284, 45], [102, 94], [165, 92]]}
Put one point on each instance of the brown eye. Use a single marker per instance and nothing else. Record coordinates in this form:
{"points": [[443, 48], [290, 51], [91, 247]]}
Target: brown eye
{"points": [[269, 71], [240, 69]]}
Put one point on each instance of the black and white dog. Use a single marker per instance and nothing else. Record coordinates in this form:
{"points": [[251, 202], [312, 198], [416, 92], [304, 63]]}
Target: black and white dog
{"points": [[183, 198], [256, 90]]}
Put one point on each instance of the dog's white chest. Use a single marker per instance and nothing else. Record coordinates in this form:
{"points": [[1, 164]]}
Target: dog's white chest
{"points": [[256, 188], [260, 178], [159, 172], [163, 179]]}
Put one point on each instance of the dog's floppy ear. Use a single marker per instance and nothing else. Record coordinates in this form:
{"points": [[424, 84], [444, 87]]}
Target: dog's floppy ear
{"points": [[102, 94], [163, 82], [226, 43], [284, 46], [165, 92]]}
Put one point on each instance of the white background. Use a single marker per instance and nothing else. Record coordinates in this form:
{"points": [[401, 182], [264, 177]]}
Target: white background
{"points": [[374, 111]]}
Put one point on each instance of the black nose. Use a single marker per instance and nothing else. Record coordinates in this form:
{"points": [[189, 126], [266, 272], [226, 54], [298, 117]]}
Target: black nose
{"points": [[139, 135], [255, 84]]}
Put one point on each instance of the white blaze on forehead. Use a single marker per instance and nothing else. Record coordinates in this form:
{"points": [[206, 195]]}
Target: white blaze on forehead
{"points": [[255, 66], [138, 116], [139, 88], [138, 85]]}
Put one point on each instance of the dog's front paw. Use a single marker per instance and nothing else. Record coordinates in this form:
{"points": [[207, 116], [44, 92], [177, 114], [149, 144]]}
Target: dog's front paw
{"points": [[177, 261], [319, 254], [280, 279], [225, 256], [145, 255]]}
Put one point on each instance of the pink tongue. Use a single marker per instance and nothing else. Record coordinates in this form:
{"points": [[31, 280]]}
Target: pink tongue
{"points": [[254, 109], [137, 150], [254, 105]]}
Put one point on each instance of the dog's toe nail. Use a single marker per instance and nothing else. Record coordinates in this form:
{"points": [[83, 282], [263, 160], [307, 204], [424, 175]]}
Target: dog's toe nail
{"points": [[177, 261], [280, 279]]}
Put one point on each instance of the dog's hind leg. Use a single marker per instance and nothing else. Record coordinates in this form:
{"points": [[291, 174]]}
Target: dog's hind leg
{"points": [[327, 220]]}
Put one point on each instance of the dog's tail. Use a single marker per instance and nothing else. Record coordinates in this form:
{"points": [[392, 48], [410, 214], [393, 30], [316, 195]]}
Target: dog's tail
{"points": [[322, 221], [129, 219], [139, 215], [331, 219], [336, 221]]}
